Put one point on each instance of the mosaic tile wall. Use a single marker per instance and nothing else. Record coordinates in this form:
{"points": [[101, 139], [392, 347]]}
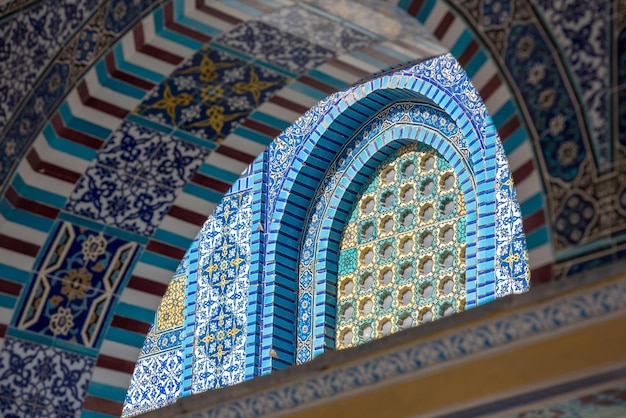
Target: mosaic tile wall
{"points": [[221, 301], [66, 132], [509, 330], [575, 122], [219, 357], [39, 381], [75, 285]]}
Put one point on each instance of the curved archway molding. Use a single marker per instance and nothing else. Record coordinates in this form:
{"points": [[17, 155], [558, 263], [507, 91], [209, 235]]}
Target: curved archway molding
{"points": [[321, 133]]}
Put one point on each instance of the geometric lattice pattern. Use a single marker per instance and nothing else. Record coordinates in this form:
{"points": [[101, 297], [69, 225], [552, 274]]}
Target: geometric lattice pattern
{"points": [[493, 223], [402, 259]]}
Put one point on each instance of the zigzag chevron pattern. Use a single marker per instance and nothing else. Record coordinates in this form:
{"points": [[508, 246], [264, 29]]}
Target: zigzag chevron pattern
{"points": [[117, 84]]}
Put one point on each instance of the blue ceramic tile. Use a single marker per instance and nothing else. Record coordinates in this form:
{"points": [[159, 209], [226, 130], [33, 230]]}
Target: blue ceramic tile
{"points": [[70, 294], [41, 381], [172, 101], [224, 106], [139, 151], [253, 38], [117, 199], [279, 48], [122, 13], [143, 394]]}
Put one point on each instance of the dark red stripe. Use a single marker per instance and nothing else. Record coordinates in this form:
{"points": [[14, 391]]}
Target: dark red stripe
{"points": [[235, 154], [261, 127], [28, 205], [444, 25], [344, 66], [316, 84], [130, 324], [183, 30], [534, 221], [216, 13], [187, 215], [105, 406], [18, 245], [113, 363], [415, 7], [541, 274], [147, 286], [153, 51], [210, 182], [49, 169], [509, 127], [469, 53], [288, 104], [491, 86], [3, 330], [10, 288], [523, 172], [74, 135], [165, 249], [101, 105], [115, 72]]}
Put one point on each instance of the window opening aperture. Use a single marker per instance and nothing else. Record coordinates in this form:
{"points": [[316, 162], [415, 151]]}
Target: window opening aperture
{"points": [[408, 258]]}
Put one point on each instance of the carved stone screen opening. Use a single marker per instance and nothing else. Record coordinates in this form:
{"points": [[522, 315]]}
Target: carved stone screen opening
{"points": [[402, 258]]}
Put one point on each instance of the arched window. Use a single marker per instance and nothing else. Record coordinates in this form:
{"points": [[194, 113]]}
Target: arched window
{"points": [[402, 252], [386, 205]]}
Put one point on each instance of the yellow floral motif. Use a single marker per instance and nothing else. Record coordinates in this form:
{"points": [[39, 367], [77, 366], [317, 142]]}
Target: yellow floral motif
{"points": [[207, 69], [171, 312], [94, 247], [253, 86], [212, 93], [512, 257], [220, 352], [212, 268], [169, 102], [76, 283], [208, 338], [216, 118], [61, 321]]}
